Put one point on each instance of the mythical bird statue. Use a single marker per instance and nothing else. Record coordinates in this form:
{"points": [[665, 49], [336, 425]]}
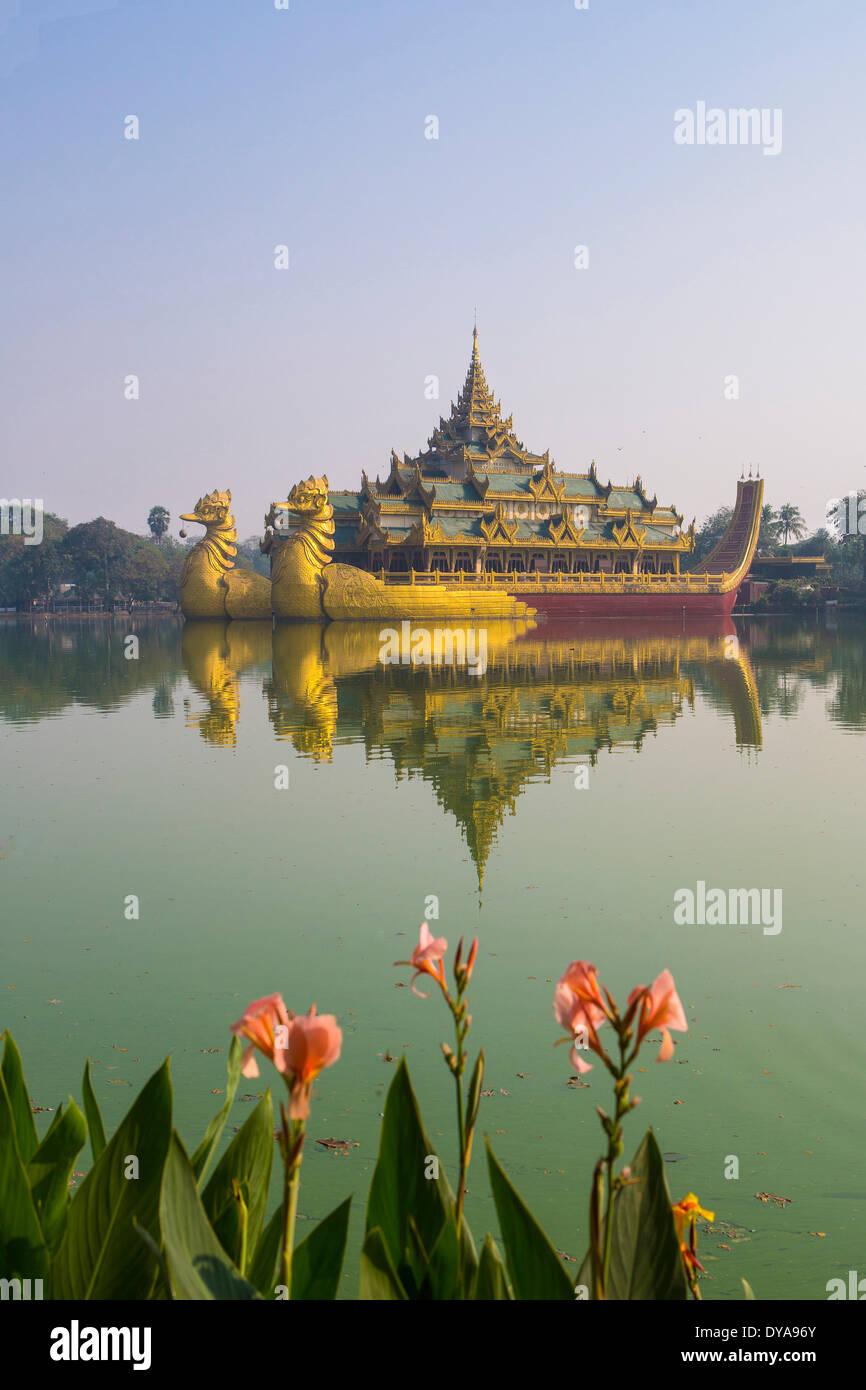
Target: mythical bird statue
{"points": [[210, 586]]}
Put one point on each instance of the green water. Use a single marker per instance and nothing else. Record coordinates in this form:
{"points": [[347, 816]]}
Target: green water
{"points": [[739, 764]]}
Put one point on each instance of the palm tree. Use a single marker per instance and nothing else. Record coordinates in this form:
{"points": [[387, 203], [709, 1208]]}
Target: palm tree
{"points": [[790, 522], [158, 519], [769, 532]]}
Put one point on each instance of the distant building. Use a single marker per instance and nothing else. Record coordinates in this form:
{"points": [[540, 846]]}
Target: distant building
{"points": [[475, 500]]}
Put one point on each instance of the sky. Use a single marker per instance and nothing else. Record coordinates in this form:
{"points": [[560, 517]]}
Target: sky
{"points": [[307, 128]]}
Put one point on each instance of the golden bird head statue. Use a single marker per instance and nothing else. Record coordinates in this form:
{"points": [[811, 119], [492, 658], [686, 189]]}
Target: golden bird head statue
{"points": [[310, 496], [211, 510]]}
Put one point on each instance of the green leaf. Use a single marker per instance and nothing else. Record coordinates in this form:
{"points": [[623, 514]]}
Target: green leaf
{"points": [[399, 1187], [201, 1159], [248, 1159], [468, 1260], [444, 1267], [490, 1282], [645, 1258], [100, 1256], [263, 1269], [19, 1099], [95, 1127], [534, 1267], [197, 1264], [318, 1260], [378, 1276], [22, 1247], [50, 1169]]}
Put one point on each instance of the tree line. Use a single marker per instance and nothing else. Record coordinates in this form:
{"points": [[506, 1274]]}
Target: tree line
{"points": [[99, 562]]}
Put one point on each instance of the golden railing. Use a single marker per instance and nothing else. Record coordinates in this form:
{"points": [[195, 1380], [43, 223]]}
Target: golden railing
{"points": [[550, 583]]}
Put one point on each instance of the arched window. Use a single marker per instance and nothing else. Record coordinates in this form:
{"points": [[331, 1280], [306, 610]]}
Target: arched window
{"points": [[463, 561], [493, 564], [398, 562], [439, 561], [516, 564], [560, 563]]}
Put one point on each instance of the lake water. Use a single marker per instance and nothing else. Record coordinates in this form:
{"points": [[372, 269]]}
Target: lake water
{"points": [[554, 803]]}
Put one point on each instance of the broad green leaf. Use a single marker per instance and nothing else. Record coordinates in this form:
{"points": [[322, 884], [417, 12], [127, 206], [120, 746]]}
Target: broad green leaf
{"points": [[378, 1276], [248, 1159], [468, 1260], [263, 1269], [197, 1264], [645, 1258], [50, 1169], [490, 1282], [201, 1159], [161, 1290], [399, 1186], [23, 1253], [100, 1256], [19, 1099], [584, 1275], [444, 1266], [95, 1127], [318, 1260], [534, 1267]]}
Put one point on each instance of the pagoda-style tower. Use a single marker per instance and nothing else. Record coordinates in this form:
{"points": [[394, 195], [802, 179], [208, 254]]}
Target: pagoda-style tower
{"points": [[476, 500]]}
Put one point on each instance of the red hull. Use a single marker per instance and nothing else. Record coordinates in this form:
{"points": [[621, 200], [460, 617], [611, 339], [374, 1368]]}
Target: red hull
{"points": [[669, 607]]}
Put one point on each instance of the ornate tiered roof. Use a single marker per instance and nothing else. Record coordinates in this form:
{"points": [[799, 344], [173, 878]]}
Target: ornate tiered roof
{"points": [[476, 484]]}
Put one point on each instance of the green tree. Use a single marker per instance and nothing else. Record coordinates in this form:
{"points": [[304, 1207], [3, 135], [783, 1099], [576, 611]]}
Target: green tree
{"points": [[710, 533], [30, 572], [158, 519], [790, 522], [769, 532], [99, 552], [147, 575]]}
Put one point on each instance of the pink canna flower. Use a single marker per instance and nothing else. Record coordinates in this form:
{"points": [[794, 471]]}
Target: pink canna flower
{"points": [[314, 1043], [577, 1003], [659, 1007], [427, 959], [259, 1024]]}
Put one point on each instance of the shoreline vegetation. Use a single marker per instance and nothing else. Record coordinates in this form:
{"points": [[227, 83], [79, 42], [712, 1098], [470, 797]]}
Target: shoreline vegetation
{"points": [[148, 1223]]}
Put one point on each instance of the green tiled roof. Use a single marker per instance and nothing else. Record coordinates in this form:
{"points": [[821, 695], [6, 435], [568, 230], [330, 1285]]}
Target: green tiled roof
{"points": [[581, 487], [621, 497], [508, 482], [453, 525], [455, 492], [345, 501]]}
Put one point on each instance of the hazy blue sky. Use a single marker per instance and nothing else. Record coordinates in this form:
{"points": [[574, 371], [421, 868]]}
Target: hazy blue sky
{"points": [[306, 127]]}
